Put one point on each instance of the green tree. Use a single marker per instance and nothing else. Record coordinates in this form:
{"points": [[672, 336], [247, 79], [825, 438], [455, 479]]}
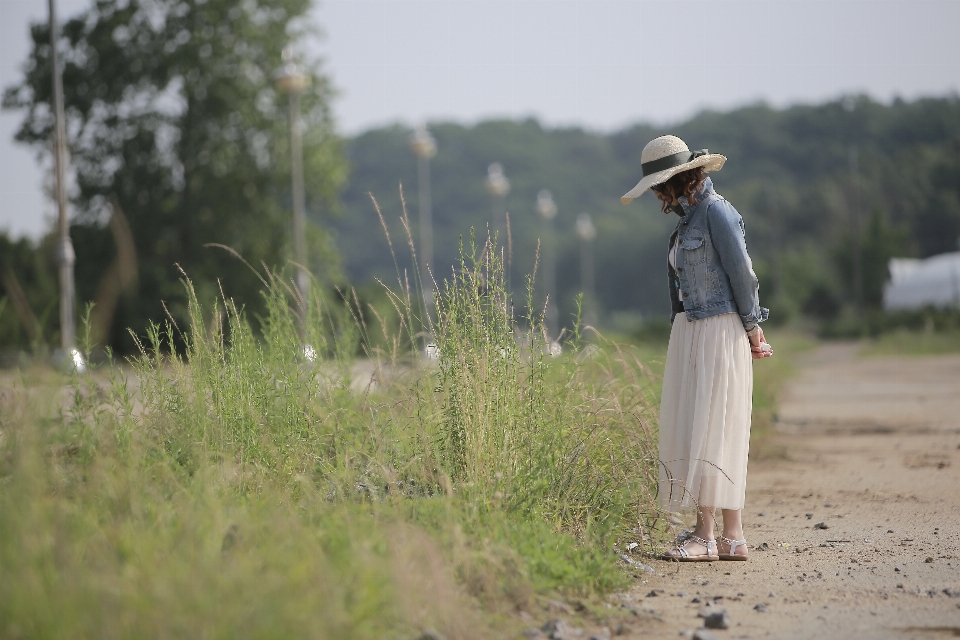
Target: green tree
{"points": [[179, 140]]}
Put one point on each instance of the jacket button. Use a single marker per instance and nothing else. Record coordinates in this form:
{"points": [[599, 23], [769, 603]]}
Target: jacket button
{"points": [[686, 295], [679, 268]]}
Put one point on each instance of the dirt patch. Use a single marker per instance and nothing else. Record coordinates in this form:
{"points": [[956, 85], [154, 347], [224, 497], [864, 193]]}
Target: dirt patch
{"points": [[856, 532]]}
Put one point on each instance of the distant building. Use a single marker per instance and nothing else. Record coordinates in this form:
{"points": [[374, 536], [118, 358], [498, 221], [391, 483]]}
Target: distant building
{"points": [[914, 284]]}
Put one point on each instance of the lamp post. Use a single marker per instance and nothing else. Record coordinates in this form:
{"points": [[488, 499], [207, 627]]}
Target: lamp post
{"points": [[854, 157], [65, 254], [587, 232], [547, 210], [424, 147], [291, 79], [498, 187]]}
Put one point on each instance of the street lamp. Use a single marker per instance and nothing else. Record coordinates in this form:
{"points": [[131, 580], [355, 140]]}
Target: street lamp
{"points": [[65, 254], [424, 147], [547, 210], [291, 79], [498, 187], [587, 232]]}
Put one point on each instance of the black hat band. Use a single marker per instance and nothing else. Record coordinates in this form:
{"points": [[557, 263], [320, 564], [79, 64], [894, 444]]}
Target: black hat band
{"points": [[668, 162]]}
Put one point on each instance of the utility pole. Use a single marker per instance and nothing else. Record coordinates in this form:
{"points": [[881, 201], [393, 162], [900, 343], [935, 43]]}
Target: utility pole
{"points": [[65, 254]]}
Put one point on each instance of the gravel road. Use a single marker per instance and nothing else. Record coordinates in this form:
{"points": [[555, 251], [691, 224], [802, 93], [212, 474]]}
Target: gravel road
{"points": [[859, 519]]}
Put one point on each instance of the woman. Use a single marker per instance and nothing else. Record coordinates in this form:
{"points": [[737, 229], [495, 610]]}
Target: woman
{"points": [[708, 381]]}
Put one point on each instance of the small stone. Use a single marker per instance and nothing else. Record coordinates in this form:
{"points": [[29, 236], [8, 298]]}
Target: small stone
{"points": [[717, 620], [773, 594], [632, 546], [951, 593], [696, 600], [682, 594], [929, 559], [432, 634], [760, 608], [762, 513], [686, 633], [598, 637], [889, 530], [621, 630], [899, 585], [827, 505], [532, 633], [853, 561], [809, 515], [703, 634], [675, 520], [652, 594], [764, 546], [821, 525], [559, 629]]}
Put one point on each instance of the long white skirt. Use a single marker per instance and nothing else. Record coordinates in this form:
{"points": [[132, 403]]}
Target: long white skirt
{"points": [[705, 414]]}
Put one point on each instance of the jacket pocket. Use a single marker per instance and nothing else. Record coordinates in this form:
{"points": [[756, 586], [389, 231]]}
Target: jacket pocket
{"points": [[694, 252]]}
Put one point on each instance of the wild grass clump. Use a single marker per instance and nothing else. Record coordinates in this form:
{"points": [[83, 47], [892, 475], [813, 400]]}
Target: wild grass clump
{"points": [[253, 484]]}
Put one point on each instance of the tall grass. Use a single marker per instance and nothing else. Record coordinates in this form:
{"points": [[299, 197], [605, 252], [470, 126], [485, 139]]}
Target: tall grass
{"points": [[233, 483]]}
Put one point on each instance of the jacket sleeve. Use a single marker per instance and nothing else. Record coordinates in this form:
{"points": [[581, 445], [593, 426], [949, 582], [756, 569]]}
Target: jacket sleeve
{"points": [[729, 240]]}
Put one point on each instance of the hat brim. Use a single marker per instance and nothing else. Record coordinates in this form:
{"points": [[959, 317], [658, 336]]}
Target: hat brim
{"points": [[710, 162]]}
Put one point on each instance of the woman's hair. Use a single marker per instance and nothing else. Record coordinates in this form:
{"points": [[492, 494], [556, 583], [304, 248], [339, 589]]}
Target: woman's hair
{"points": [[686, 183]]}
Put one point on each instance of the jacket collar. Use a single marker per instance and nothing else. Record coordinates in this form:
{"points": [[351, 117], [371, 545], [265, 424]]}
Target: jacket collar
{"points": [[705, 190]]}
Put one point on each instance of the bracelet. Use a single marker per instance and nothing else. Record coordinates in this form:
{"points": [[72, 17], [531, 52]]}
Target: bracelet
{"points": [[754, 331]]}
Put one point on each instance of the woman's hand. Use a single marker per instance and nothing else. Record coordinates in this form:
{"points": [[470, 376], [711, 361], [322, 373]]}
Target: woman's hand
{"points": [[758, 346]]}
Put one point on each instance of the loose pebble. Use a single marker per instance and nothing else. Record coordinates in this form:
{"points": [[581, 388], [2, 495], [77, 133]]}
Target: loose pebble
{"points": [[821, 525], [760, 608], [559, 629], [717, 620], [703, 634]]}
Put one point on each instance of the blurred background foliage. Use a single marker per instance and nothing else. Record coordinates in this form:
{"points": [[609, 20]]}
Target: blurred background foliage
{"points": [[789, 173], [178, 139]]}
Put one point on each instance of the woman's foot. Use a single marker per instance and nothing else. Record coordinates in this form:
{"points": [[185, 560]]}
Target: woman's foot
{"points": [[732, 548], [693, 548]]}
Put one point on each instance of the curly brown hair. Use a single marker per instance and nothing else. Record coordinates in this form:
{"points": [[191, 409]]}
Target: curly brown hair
{"points": [[686, 183]]}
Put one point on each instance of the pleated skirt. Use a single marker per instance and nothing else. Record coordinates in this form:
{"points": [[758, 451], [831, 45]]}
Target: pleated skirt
{"points": [[705, 412]]}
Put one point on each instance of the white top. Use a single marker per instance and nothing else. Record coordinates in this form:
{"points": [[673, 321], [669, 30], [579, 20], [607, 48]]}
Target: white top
{"points": [[672, 259]]}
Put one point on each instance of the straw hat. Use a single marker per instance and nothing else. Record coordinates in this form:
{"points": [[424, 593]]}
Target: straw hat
{"points": [[666, 156]]}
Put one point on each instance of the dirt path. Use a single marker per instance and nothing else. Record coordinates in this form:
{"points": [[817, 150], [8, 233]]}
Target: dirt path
{"points": [[872, 452]]}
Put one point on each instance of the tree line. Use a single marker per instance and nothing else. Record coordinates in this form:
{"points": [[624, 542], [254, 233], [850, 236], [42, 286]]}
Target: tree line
{"points": [[826, 191]]}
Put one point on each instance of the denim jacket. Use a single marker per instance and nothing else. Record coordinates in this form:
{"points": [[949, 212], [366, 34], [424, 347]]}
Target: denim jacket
{"points": [[713, 270]]}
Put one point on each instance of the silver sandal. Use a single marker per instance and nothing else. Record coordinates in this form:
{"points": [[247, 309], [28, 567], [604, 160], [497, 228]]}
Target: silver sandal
{"points": [[680, 553], [733, 555]]}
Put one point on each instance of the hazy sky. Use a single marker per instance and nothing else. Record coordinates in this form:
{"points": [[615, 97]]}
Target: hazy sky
{"points": [[601, 64]]}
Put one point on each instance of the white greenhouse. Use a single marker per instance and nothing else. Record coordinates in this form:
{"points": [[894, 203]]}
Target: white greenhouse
{"points": [[914, 284]]}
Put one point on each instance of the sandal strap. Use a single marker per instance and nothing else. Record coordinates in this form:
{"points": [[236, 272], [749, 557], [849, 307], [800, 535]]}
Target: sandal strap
{"points": [[681, 548], [733, 544]]}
